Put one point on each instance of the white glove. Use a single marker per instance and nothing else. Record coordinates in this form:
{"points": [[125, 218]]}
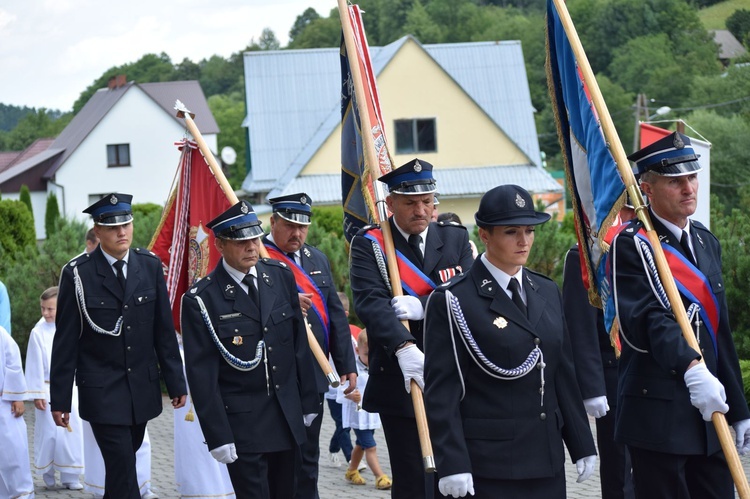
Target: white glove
{"points": [[706, 392], [309, 418], [457, 485], [407, 307], [226, 454], [596, 407], [411, 361], [742, 436], [585, 468]]}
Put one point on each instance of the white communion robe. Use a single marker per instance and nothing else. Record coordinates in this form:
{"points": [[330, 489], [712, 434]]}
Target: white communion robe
{"points": [[197, 473], [15, 470], [55, 447]]}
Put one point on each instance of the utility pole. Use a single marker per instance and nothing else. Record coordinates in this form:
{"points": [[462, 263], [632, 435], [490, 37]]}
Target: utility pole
{"points": [[641, 114]]}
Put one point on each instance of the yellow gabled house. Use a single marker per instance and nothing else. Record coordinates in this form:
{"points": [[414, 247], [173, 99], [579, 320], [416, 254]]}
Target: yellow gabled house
{"points": [[463, 107]]}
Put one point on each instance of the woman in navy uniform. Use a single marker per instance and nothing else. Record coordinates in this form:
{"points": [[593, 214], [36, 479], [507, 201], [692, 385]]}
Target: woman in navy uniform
{"points": [[114, 335], [501, 394], [248, 362], [663, 387]]}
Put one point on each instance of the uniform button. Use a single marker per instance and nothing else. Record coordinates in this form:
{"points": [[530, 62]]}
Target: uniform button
{"points": [[539, 366], [128, 348], [382, 369], [236, 330], [277, 387], [265, 329], [673, 372], [543, 416], [101, 303], [537, 341], [270, 349], [273, 368], [128, 328], [283, 314], [645, 391], [128, 369], [324, 282], [125, 307]]}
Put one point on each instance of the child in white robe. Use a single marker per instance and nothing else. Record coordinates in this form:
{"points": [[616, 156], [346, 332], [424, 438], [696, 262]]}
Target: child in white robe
{"points": [[15, 472], [55, 448]]}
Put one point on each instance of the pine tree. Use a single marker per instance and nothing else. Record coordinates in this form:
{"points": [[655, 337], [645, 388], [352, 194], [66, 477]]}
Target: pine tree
{"points": [[25, 198], [51, 215]]}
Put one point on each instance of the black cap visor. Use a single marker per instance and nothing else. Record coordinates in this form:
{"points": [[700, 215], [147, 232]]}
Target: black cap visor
{"points": [[242, 233], [295, 217], [114, 219]]}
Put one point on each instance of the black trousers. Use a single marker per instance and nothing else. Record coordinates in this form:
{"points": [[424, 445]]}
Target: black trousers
{"points": [[530, 488], [615, 469], [118, 444], [271, 475], [658, 475], [307, 480], [409, 478]]}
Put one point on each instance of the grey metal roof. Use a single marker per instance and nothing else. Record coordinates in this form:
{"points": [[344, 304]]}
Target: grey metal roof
{"points": [[729, 46], [191, 94], [294, 104], [452, 182]]}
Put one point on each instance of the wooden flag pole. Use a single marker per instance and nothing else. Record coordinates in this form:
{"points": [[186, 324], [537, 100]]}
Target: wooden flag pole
{"points": [[371, 162], [623, 166], [183, 112]]}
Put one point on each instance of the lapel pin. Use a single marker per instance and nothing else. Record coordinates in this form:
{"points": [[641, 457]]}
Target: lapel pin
{"points": [[500, 323], [306, 252], [237, 341]]}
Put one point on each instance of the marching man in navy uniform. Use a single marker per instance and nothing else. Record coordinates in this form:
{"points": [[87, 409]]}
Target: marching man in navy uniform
{"points": [[429, 254], [502, 395], [114, 335], [248, 362], [666, 396], [320, 303]]}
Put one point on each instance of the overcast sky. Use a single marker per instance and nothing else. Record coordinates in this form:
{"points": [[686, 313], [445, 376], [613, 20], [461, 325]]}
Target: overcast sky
{"points": [[52, 50]]}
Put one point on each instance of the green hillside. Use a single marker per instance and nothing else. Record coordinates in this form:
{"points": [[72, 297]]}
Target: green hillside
{"points": [[713, 17]]}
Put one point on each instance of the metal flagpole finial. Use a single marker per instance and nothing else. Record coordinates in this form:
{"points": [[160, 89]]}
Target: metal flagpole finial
{"points": [[182, 110]]}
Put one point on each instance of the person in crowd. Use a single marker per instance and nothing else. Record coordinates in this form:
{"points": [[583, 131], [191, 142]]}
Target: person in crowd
{"points": [[428, 253], [55, 449], [502, 396], [114, 335], [449, 216], [290, 223], [248, 360], [668, 391]]}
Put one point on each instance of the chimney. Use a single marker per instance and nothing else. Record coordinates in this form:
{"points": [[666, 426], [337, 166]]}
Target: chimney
{"points": [[121, 81], [112, 83]]}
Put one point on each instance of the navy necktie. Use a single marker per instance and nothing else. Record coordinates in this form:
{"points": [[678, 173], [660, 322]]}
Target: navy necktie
{"points": [[686, 247], [252, 290], [118, 265], [515, 293], [414, 241]]}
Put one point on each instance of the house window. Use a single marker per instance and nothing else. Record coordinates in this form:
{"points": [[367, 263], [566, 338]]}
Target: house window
{"points": [[118, 155], [415, 136]]}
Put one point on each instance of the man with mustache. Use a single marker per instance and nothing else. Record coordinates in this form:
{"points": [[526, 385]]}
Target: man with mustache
{"points": [[429, 253], [666, 395], [291, 219]]}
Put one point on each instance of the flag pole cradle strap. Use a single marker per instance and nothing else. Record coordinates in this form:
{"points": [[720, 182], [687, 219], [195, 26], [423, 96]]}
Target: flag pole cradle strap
{"points": [[380, 260], [80, 297], [235, 362], [535, 357]]}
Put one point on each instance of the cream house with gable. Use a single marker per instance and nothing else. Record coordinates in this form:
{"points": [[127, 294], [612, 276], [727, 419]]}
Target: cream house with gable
{"points": [[464, 107]]}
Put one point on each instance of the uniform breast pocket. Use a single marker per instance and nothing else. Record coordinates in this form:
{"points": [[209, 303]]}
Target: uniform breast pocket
{"points": [[281, 317], [145, 303], [321, 280], [103, 310], [717, 283], [240, 337]]}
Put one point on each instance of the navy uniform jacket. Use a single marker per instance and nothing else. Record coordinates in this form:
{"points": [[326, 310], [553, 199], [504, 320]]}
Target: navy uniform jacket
{"points": [[317, 266], [593, 353], [654, 410], [497, 428], [446, 248], [117, 376], [239, 406]]}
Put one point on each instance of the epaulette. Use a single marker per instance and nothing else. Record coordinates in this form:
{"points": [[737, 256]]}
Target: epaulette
{"points": [[79, 260], [199, 285], [632, 229], [276, 263], [144, 251], [453, 280], [451, 223], [526, 269], [367, 228]]}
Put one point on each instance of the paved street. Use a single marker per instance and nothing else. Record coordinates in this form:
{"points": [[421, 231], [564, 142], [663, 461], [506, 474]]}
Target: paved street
{"points": [[331, 486]]}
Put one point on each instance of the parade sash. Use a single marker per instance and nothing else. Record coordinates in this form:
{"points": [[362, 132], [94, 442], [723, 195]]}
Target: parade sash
{"points": [[413, 280], [305, 284], [693, 285]]}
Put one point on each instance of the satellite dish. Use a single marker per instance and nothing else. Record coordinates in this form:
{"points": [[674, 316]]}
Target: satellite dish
{"points": [[228, 155]]}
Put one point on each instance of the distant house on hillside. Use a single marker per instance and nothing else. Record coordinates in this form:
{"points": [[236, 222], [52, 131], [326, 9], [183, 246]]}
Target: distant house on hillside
{"points": [[121, 141], [464, 107], [729, 47]]}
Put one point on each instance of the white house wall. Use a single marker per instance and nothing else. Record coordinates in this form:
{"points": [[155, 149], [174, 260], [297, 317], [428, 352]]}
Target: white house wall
{"points": [[135, 120]]}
